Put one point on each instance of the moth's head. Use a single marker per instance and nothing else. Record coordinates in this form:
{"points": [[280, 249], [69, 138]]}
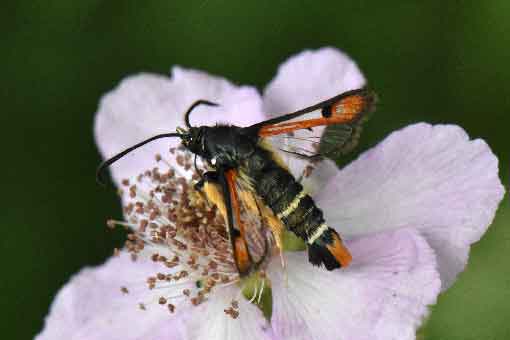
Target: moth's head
{"points": [[193, 139]]}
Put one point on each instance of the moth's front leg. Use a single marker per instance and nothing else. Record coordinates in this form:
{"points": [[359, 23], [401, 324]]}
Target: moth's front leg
{"points": [[209, 176]]}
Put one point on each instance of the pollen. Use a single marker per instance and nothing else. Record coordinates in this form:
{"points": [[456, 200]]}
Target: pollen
{"points": [[173, 226]]}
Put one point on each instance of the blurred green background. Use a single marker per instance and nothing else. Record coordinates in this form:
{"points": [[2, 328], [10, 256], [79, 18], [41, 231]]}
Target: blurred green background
{"points": [[434, 61]]}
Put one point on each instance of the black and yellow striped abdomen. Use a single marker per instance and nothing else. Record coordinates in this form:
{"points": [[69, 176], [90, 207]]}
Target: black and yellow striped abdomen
{"points": [[294, 208]]}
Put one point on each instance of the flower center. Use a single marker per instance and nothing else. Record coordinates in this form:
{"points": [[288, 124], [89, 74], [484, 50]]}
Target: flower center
{"points": [[178, 229]]}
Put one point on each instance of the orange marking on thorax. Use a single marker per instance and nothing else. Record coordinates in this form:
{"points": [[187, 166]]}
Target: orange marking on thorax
{"points": [[340, 252]]}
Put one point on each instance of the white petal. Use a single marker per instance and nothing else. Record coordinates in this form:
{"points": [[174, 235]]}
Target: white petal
{"points": [[209, 322], [382, 295], [92, 306], [306, 79], [144, 105], [310, 77], [429, 177]]}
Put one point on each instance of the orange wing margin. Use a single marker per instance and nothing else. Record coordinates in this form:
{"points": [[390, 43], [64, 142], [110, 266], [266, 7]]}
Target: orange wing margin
{"points": [[347, 109], [240, 247]]}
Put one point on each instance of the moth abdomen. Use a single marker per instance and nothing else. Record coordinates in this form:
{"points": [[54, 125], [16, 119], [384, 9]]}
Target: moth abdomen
{"points": [[298, 213], [328, 250]]}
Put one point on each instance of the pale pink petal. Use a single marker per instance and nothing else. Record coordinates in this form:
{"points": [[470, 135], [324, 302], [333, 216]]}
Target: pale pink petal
{"points": [[144, 105], [310, 77], [209, 322], [430, 177], [383, 295], [91, 305], [306, 79]]}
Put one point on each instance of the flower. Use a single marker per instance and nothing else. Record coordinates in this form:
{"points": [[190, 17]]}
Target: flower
{"points": [[409, 209]]}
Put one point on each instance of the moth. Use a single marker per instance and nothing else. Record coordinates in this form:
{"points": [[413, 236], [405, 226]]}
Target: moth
{"points": [[245, 171]]}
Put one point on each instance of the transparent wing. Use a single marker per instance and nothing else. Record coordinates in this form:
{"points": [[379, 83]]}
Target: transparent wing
{"points": [[301, 133], [318, 142], [346, 108]]}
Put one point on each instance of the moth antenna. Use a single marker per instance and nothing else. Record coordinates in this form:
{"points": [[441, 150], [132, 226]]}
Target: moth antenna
{"points": [[193, 106], [108, 162]]}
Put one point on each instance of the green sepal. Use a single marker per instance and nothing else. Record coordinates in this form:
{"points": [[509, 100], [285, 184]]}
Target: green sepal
{"points": [[252, 285], [292, 243]]}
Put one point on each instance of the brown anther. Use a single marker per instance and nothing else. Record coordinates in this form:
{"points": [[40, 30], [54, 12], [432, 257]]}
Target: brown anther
{"points": [[169, 264], [125, 182], [171, 308], [111, 224], [161, 276], [142, 306], [158, 157], [155, 257], [308, 171], [132, 191], [180, 160], [153, 215], [162, 301], [128, 209], [210, 282], [235, 304], [124, 290], [186, 292], [140, 245], [231, 312], [143, 225]]}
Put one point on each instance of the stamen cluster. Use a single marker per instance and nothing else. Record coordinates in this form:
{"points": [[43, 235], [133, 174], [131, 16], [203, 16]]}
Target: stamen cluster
{"points": [[174, 225]]}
